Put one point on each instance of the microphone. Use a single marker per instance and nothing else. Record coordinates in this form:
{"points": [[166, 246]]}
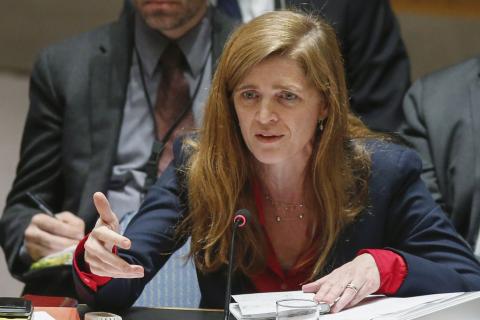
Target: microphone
{"points": [[239, 220]]}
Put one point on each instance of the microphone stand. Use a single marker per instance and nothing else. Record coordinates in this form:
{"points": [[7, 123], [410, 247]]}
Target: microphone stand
{"points": [[226, 309], [240, 219]]}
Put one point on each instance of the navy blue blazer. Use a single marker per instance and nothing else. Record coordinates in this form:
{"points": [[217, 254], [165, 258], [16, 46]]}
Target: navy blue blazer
{"points": [[401, 216]]}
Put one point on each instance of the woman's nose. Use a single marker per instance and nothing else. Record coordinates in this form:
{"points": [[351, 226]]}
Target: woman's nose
{"points": [[266, 112]]}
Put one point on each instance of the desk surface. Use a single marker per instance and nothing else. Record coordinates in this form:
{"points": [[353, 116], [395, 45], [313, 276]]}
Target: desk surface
{"points": [[144, 313], [467, 310]]}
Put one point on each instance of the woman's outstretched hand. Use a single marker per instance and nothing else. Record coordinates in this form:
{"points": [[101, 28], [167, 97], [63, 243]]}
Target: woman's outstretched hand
{"points": [[102, 239], [347, 285]]}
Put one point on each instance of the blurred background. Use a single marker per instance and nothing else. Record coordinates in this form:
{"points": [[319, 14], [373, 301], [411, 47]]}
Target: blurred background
{"points": [[437, 33]]}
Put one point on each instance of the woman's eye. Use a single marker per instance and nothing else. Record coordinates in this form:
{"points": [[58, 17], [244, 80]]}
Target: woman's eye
{"points": [[288, 96], [249, 94]]}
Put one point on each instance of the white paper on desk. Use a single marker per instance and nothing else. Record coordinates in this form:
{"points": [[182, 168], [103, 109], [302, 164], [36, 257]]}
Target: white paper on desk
{"points": [[381, 307], [263, 305], [41, 315]]}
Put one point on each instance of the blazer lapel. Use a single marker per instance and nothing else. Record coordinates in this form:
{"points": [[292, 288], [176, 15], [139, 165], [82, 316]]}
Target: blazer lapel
{"points": [[110, 74], [474, 104]]}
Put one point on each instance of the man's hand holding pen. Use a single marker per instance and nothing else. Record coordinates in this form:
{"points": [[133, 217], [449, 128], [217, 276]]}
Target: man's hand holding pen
{"points": [[49, 233]]}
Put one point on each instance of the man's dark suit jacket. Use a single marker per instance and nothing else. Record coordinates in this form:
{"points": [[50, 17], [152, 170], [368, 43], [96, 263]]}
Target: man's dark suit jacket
{"points": [[376, 62], [443, 124], [401, 216], [77, 94]]}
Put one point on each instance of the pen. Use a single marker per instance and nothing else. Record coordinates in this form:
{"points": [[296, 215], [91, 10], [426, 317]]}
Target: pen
{"points": [[40, 204]]}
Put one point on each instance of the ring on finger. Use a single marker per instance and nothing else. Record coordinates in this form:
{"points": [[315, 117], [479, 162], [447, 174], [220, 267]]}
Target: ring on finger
{"points": [[351, 286]]}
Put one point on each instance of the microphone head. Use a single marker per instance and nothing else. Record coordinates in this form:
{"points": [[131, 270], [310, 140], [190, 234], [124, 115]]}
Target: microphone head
{"points": [[241, 217]]}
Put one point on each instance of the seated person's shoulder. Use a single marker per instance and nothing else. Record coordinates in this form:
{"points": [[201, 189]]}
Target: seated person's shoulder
{"points": [[78, 47], [450, 79], [390, 158]]}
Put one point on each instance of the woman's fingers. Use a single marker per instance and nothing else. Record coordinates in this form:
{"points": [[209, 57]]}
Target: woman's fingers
{"points": [[369, 287], [99, 256], [329, 288], [347, 285], [110, 238], [328, 293], [107, 216], [350, 292], [105, 263], [362, 294], [332, 295], [312, 286], [102, 239], [101, 267]]}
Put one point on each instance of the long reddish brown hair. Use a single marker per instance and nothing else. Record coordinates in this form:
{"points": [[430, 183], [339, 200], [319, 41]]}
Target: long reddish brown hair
{"points": [[220, 170]]}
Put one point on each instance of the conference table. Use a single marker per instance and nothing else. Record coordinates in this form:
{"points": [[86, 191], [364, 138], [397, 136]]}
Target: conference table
{"points": [[144, 313], [467, 310]]}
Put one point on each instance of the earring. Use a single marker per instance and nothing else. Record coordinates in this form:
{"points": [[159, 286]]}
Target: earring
{"points": [[320, 124]]}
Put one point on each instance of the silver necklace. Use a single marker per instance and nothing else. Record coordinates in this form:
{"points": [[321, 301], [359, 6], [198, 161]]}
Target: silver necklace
{"points": [[288, 209]]}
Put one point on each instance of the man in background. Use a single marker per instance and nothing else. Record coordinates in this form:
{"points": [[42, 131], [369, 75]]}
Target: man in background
{"points": [[442, 113], [104, 109]]}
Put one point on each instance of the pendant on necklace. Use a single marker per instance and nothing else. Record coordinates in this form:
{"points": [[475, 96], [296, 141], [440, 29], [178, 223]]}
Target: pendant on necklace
{"points": [[278, 218]]}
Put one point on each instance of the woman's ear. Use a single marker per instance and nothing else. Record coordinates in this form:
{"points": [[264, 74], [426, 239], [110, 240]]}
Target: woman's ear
{"points": [[323, 111]]}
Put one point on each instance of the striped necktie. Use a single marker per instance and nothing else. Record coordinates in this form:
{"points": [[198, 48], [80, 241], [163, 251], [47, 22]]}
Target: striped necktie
{"points": [[173, 97]]}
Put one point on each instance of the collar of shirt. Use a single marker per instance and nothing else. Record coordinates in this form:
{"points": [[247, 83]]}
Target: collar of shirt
{"points": [[195, 44]]}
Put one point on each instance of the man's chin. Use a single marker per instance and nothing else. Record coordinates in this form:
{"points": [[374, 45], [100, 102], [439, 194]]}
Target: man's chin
{"points": [[163, 23]]}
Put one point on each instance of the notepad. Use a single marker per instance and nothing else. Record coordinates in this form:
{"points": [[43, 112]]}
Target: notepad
{"points": [[60, 258]]}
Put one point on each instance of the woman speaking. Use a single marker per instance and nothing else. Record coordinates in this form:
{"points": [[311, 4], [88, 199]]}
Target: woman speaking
{"points": [[337, 209]]}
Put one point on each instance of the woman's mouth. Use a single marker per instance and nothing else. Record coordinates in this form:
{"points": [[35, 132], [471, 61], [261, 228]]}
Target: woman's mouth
{"points": [[268, 138]]}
